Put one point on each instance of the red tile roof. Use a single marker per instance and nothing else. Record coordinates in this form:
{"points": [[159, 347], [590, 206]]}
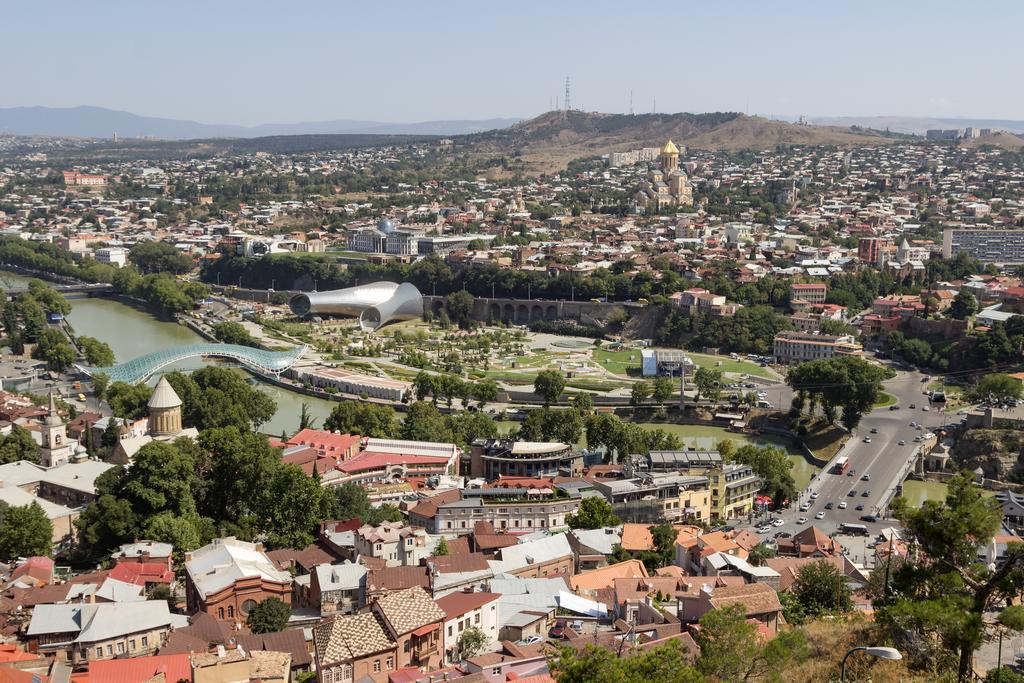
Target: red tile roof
{"points": [[457, 604], [140, 669], [369, 460], [327, 443], [141, 573]]}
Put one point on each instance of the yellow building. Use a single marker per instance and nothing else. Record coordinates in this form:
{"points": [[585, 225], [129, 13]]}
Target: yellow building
{"points": [[734, 488], [666, 185]]}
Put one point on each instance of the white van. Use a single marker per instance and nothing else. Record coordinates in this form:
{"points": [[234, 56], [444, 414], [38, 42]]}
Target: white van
{"points": [[765, 404]]}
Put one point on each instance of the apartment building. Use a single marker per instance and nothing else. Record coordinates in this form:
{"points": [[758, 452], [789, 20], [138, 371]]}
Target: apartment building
{"points": [[397, 543], [673, 497], [734, 488], [496, 458], [988, 245], [804, 293], [511, 509], [798, 347], [464, 610]]}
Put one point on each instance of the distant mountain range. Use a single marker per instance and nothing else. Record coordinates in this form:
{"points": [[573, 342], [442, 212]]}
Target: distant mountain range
{"points": [[916, 125], [98, 122]]}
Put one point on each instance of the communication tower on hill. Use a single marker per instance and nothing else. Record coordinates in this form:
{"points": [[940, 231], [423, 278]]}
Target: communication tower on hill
{"points": [[568, 102]]}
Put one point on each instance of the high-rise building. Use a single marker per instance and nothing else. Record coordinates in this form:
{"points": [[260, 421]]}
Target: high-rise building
{"points": [[989, 245]]}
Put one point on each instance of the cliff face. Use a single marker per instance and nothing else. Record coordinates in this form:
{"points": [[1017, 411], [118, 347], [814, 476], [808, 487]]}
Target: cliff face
{"points": [[998, 452]]}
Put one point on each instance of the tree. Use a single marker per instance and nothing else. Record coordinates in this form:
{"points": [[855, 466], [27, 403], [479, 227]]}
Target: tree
{"points": [[349, 501], [97, 353], [639, 393], [269, 616], [822, 589], [996, 387], [306, 421], [593, 513], [940, 603], [25, 531], [662, 389], [159, 257], [759, 553], [549, 385], [772, 466], [220, 397], [708, 382], [100, 382], [363, 418], [485, 391], [459, 306], [441, 549], [551, 424], [293, 508], [231, 332], [666, 663], [423, 422], [664, 537], [18, 445], [584, 403], [964, 306], [470, 643], [731, 650], [128, 400], [53, 347]]}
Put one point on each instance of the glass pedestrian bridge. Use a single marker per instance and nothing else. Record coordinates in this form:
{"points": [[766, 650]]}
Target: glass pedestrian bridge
{"points": [[142, 368]]}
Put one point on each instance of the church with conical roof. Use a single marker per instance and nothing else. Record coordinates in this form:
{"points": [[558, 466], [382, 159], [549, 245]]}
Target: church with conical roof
{"points": [[666, 185], [164, 423]]}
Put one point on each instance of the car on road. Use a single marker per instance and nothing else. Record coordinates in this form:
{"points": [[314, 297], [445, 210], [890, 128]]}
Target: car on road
{"points": [[867, 439], [869, 518], [842, 505], [801, 520], [874, 430], [925, 408], [852, 473], [852, 493], [902, 442], [867, 492], [894, 407], [778, 522], [764, 529], [913, 406], [828, 505], [866, 477], [784, 534], [814, 496], [805, 506], [820, 515], [913, 423], [860, 506]]}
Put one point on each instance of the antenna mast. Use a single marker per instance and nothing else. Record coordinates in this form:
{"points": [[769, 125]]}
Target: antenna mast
{"points": [[568, 102], [630, 102]]}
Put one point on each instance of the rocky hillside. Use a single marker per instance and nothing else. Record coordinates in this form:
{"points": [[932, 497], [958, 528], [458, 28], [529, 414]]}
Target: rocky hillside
{"points": [[1004, 140], [556, 137], [996, 451]]}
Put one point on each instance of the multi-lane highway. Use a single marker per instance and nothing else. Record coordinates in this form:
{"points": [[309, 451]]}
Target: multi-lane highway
{"points": [[884, 460]]}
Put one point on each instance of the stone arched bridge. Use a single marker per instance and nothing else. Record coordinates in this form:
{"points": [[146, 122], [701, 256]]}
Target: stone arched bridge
{"points": [[530, 310]]}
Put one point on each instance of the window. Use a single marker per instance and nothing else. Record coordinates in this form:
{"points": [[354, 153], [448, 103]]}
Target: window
{"points": [[376, 666], [131, 644], [99, 652], [476, 618], [390, 663], [231, 611], [496, 671], [449, 630], [220, 612], [145, 641], [246, 606], [110, 650], [120, 648]]}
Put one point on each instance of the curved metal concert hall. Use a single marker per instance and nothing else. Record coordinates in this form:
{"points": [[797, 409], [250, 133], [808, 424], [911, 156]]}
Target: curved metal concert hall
{"points": [[375, 305]]}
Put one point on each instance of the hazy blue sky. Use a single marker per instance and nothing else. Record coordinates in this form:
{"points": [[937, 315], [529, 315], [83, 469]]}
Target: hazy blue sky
{"points": [[258, 61]]}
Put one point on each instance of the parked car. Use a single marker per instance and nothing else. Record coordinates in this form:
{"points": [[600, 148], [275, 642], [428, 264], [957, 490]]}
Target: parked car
{"points": [[842, 505], [814, 496], [866, 477], [912, 406], [778, 522], [765, 529], [558, 630], [867, 492], [852, 493], [532, 640], [784, 534], [804, 507]]}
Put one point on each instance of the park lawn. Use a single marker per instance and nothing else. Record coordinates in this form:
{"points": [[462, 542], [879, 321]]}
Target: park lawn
{"points": [[885, 400], [729, 365], [619, 362], [600, 385]]}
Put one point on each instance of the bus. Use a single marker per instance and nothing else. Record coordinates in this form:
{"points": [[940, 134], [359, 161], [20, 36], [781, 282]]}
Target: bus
{"points": [[842, 464], [853, 529]]}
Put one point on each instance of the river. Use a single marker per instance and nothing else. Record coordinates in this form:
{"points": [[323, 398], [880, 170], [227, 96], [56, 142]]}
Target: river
{"points": [[131, 332]]}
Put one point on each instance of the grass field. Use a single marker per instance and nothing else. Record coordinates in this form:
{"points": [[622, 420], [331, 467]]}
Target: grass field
{"points": [[917, 492], [885, 400], [620, 362], [730, 365]]}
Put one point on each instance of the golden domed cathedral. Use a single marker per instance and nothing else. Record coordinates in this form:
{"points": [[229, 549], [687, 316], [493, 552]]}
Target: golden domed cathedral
{"points": [[667, 185]]}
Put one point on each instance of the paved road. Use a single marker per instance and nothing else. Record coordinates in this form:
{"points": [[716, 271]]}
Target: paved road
{"points": [[883, 459]]}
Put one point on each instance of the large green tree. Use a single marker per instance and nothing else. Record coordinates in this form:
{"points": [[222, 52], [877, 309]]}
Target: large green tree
{"points": [[25, 531], [732, 650], [549, 385], [939, 602], [269, 616], [220, 397], [708, 382], [363, 418], [593, 513]]}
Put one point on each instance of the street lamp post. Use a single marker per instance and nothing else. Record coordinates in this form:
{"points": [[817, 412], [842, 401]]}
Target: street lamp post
{"points": [[880, 652]]}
